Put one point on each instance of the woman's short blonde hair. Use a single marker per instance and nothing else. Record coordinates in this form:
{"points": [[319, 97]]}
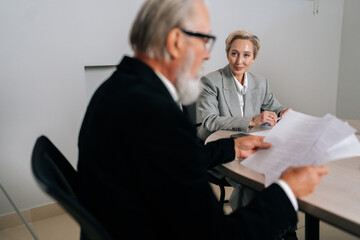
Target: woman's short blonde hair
{"points": [[242, 34]]}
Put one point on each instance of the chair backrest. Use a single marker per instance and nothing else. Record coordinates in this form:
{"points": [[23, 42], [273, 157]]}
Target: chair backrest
{"points": [[190, 110], [58, 178]]}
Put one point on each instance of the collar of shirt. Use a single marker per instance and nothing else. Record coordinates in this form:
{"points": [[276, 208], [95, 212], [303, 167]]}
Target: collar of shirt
{"points": [[170, 87], [241, 89]]}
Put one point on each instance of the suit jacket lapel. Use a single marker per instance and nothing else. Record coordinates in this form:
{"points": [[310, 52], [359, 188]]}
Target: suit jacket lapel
{"points": [[230, 93], [250, 96]]}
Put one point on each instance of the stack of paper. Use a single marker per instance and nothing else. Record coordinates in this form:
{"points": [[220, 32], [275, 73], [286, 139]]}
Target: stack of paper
{"points": [[299, 140]]}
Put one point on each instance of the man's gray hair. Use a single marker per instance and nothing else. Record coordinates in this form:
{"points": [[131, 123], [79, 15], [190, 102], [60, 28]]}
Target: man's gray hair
{"points": [[153, 23]]}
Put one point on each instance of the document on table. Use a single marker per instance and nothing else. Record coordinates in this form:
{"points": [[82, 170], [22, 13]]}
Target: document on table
{"points": [[299, 139]]}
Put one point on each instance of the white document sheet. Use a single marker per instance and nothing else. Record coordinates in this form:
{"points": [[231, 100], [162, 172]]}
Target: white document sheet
{"points": [[299, 139], [349, 147]]}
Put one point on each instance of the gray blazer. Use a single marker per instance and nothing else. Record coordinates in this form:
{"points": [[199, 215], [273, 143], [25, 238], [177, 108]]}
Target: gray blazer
{"points": [[218, 105]]}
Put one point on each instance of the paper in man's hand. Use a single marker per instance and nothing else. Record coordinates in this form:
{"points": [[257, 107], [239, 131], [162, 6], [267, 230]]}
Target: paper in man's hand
{"points": [[299, 139]]}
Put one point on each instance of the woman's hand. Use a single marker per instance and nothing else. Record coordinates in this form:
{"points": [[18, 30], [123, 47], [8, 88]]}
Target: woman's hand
{"points": [[264, 117], [282, 113]]}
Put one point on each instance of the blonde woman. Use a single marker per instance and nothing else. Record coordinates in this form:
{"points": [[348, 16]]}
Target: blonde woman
{"points": [[233, 98]]}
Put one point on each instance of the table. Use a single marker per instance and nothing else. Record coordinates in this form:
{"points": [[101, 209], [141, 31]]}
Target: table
{"points": [[335, 201], [355, 124]]}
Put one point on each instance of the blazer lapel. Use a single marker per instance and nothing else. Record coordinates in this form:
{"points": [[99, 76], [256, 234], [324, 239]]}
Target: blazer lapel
{"points": [[250, 97], [230, 93]]}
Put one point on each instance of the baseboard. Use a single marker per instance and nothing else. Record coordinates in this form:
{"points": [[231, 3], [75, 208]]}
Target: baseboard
{"points": [[31, 215]]}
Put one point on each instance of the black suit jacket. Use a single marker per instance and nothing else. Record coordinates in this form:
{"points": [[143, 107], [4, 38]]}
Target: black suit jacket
{"points": [[143, 171]]}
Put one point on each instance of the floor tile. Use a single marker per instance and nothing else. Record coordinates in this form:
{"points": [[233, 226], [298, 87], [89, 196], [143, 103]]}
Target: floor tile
{"points": [[65, 227]]}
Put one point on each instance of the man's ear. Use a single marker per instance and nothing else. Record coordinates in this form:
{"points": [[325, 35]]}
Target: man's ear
{"points": [[174, 43]]}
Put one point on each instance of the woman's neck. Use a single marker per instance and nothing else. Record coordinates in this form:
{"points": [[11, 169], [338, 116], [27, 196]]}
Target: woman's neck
{"points": [[240, 78]]}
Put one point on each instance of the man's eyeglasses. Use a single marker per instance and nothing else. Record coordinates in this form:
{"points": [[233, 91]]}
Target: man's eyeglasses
{"points": [[209, 39]]}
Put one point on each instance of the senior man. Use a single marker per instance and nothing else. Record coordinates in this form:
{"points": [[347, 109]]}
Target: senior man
{"points": [[142, 169]]}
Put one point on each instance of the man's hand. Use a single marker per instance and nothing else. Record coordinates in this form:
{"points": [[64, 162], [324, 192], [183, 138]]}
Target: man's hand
{"points": [[303, 180], [245, 146]]}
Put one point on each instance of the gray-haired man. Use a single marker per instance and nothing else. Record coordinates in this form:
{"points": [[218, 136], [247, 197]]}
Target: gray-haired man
{"points": [[142, 169]]}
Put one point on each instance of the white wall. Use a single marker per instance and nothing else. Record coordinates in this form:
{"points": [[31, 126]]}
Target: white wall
{"points": [[45, 46], [299, 51], [348, 105]]}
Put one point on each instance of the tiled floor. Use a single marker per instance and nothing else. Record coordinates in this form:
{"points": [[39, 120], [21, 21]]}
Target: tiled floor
{"points": [[327, 232], [61, 227], [64, 227]]}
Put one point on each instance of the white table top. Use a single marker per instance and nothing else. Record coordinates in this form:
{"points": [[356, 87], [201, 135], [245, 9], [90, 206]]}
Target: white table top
{"points": [[336, 199]]}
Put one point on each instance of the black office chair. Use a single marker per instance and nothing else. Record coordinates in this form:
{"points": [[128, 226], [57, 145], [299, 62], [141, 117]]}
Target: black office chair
{"points": [[222, 183], [58, 178], [190, 110]]}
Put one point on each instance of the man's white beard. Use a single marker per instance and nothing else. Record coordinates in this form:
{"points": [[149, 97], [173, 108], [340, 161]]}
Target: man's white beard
{"points": [[188, 88]]}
